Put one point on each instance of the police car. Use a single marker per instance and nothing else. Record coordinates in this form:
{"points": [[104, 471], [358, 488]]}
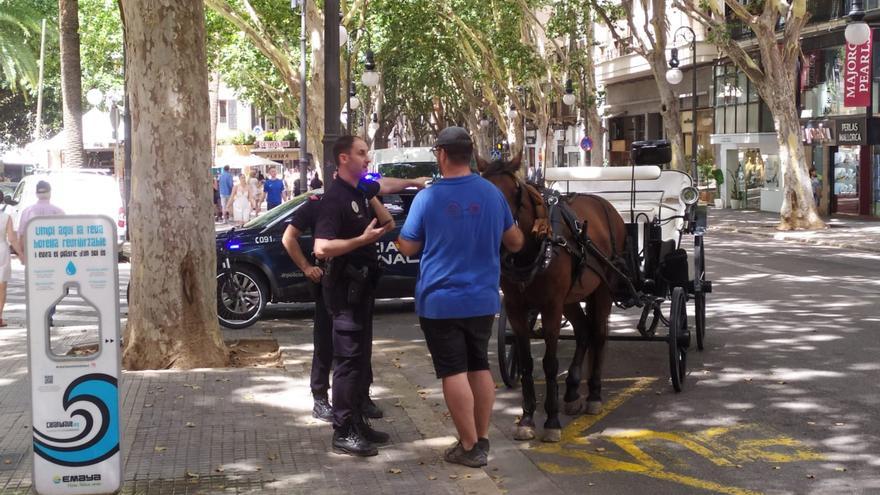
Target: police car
{"points": [[254, 269]]}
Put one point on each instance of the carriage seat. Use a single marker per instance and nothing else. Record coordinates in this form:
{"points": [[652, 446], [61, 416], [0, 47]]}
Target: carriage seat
{"points": [[657, 192]]}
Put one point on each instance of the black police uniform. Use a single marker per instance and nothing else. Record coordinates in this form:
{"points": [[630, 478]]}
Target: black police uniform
{"points": [[304, 220], [348, 286]]}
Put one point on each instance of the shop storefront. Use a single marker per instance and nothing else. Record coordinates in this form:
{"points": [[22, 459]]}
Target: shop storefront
{"points": [[841, 135]]}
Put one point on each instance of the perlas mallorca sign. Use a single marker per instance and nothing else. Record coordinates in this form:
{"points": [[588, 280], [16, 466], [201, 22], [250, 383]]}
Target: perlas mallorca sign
{"points": [[857, 84]]}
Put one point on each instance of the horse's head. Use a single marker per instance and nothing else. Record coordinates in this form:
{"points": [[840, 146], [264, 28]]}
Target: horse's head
{"points": [[503, 175], [526, 203]]}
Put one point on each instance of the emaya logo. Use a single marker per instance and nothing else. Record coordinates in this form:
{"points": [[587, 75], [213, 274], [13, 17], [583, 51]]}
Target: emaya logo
{"points": [[71, 268], [103, 432]]}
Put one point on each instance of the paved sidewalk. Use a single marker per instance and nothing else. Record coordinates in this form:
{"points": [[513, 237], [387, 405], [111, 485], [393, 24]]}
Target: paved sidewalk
{"points": [[244, 430], [842, 232]]}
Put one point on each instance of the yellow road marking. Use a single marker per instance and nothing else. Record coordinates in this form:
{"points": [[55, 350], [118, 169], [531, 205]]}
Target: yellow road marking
{"points": [[722, 446]]}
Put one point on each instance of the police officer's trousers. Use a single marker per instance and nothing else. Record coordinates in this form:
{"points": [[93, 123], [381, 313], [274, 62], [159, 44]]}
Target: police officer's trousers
{"points": [[322, 358], [352, 351]]}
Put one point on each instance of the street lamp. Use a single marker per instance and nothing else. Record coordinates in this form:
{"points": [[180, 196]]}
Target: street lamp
{"points": [[569, 98], [484, 121], [511, 114], [353, 101], [343, 35], [370, 78], [674, 76], [303, 110], [857, 31]]}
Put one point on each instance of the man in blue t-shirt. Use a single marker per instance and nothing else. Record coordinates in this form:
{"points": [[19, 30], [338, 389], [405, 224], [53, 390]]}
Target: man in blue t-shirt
{"points": [[225, 191], [273, 187], [459, 225]]}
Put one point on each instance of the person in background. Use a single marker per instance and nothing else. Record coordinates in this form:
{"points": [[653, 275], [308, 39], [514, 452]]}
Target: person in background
{"points": [[218, 209], [816, 183], [254, 187], [42, 208], [240, 201], [8, 238], [226, 184], [274, 188], [459, 225]]}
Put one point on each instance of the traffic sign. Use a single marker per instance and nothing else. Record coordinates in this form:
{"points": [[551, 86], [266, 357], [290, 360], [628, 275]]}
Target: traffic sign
{"points": [[75, 411], [496, 155], [586, 143]]}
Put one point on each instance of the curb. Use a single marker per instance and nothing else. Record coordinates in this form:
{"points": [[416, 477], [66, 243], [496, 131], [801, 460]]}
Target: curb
{"points": [[782, 236]]}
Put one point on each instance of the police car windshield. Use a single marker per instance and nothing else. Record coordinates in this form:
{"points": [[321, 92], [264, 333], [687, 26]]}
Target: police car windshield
{"points": [[279, 211]]}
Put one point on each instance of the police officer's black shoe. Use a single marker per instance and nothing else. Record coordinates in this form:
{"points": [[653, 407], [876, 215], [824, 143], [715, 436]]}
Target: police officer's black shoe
{"points": [[349, 440], [373, 436], [322, 409], [370, 409]]}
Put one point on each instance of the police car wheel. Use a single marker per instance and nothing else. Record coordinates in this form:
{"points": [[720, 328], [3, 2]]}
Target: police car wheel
{"points": [[241, 298]]}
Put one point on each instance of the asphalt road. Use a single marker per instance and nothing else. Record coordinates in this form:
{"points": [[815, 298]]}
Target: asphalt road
{"points": [[783, 400]]}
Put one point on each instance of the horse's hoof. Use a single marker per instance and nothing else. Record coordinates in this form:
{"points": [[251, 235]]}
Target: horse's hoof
{"points": [[552, 435], [573, 408], [594, 407], [524, 433]]}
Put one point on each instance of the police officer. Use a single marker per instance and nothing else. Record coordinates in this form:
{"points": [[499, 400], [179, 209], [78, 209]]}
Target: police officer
{"points": [[303, 220], [350, 221]]}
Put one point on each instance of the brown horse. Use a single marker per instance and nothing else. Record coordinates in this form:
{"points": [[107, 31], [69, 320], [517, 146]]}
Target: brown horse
{"points": [[555, 291]]}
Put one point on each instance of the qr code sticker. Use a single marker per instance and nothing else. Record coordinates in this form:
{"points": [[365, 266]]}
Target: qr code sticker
{"points": [[48, 379]]}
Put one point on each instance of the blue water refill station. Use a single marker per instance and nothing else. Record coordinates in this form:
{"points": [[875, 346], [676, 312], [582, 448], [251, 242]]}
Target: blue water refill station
{"points": [[74, 395]]}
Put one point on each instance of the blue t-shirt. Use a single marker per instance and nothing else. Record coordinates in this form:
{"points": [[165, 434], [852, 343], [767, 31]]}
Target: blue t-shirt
{"points": [[460, 222], [225, 184], [273, 188]]}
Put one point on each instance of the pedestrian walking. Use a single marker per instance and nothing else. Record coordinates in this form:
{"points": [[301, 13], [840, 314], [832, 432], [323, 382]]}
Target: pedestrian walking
{"points": [[459, 225], [42, 208], [816, 184], [273, 187], [349, 223], [218, 209], [226, 184], [254, 186], [8, 238], [302, 221], [240, 202]]}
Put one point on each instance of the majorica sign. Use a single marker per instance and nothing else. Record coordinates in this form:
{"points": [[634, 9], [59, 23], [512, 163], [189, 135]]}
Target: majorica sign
{"points": [[857, 83]]}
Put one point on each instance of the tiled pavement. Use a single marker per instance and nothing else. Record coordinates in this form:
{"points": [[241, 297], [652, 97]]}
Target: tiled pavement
{"points": [[241, 430]]}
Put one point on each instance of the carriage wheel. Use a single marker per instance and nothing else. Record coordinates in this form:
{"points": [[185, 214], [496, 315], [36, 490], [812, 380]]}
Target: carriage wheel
{"points": [[699, 293], [679, 338], [508, 363]]}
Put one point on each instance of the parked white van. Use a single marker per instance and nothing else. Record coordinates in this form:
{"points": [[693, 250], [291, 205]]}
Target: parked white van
{"points": [[77, 192]]}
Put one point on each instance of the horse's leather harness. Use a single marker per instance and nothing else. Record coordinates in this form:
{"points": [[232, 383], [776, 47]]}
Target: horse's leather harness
{"points": [[552, 218]]}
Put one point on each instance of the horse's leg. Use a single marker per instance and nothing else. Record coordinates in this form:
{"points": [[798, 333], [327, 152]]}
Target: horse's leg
{"points": [[551, 321], [578, 320], [599, 308], [525, 428]]}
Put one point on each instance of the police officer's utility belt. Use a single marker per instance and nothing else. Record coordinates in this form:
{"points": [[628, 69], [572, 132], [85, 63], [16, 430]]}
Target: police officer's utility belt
{"points": [[351, 277]]}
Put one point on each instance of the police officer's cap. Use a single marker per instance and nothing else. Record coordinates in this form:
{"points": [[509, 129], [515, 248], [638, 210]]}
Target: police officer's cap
{"points": [[453, 136]]}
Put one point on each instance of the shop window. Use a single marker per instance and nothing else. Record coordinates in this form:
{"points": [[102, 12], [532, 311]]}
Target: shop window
{"points": [[730, 120], [719, 120], [753, 117]]}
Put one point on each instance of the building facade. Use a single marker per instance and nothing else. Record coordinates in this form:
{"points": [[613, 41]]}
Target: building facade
{"points": [[841, 142]]}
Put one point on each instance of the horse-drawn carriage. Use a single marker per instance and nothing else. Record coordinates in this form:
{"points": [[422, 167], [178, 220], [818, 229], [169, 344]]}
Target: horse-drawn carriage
{"points": [[599, 236]]}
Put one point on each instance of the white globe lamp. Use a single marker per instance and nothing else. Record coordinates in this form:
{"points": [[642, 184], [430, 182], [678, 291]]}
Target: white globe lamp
{"points": [[674, 76], [343, 35], [354, 103], [857, 33]]}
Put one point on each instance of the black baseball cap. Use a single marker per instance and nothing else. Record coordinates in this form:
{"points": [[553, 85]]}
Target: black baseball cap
{"points": [[43, 187], [453, 136]]}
